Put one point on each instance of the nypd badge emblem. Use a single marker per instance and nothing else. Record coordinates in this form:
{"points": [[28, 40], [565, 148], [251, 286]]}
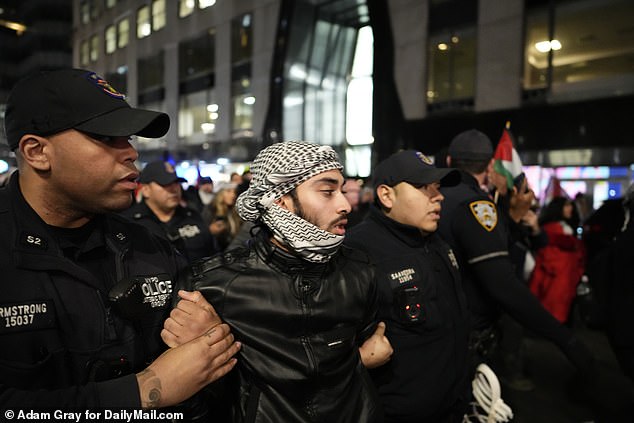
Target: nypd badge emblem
{"points": [[485, 213]]}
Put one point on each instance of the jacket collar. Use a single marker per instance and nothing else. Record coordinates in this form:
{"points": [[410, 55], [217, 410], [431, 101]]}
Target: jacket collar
{"points": [[469, 179], [36, 247], [284, 261], [408, 234], [142, 210]]}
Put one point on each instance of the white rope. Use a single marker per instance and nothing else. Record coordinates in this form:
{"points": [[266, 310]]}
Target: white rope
{"points": [[488, 406]]}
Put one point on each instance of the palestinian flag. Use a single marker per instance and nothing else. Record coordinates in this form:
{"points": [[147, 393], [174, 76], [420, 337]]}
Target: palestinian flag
{"points": [[507, 161], [553, 189]]}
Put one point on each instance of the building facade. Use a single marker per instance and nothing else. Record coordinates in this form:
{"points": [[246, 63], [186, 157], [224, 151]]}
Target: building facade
{"points": [[371, 76]]}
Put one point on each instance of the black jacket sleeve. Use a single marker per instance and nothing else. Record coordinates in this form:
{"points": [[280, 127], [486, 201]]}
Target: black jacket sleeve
{"points": [[121, 393], [498, 279]]}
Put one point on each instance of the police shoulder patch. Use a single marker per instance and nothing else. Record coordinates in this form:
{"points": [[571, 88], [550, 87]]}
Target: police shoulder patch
{"points": [[485, 213]]}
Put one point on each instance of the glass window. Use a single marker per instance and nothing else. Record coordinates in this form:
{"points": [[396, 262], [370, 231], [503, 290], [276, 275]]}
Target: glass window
{"points": [[118, 79], [111, 3], [535, 61], [151, 72], [94, 9], [243, 106], [317, 82], [203, 4], [84, 53], [360, 88], [451, 66], [158, 14], [123, 32], [143, 24], [241, 39], [242, 101], [111, 39], [94, 48], [186, 7], [583, 47], [197, 116], [197, 56], [84, 10]]}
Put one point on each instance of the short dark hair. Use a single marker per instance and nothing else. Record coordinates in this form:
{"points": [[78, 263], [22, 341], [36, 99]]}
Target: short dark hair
{"points": [[470, 166]]}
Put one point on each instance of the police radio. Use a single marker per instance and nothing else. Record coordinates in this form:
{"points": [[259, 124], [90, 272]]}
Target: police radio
{"points": [[135, 296]]}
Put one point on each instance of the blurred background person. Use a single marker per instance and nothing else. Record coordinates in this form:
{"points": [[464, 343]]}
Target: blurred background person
{"points": [[221, 217], [235, 178], [560, 264], [352, 192], [160, 211], [200, 195]]}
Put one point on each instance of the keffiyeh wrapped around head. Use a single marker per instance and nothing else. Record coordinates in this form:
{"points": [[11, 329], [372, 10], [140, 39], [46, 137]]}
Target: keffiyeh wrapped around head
{"points": [[276, 171]]}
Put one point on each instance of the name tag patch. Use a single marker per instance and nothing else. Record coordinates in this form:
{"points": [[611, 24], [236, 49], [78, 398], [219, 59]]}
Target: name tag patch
{"points": [[21, 317], [403, 276], [188, 231], [33, 241]]}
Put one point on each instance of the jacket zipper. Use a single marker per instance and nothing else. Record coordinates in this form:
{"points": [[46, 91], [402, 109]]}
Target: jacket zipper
{"points": [[303, 289], [119, 253]]}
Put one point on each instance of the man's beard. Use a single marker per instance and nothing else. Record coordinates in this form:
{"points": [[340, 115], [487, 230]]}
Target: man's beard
{"points": [[299, 211]]}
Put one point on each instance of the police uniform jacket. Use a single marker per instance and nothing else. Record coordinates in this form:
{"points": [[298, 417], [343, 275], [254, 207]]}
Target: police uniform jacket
{"points": [[424, 307], [185, 230], [470, 223], [62, 343], [300, 325]]}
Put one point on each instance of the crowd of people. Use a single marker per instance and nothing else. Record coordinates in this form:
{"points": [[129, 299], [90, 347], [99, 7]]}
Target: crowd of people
{"points": [[288, 294]]}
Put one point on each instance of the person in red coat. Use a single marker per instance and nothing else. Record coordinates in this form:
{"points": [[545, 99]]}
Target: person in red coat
{"points": [[560, 264]]}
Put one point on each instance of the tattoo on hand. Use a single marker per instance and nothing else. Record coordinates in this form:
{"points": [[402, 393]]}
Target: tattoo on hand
{"points": [[151, 384]]}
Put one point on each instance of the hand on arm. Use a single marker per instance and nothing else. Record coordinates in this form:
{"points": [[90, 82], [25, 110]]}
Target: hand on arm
{"points": [[191, 317], [180, 372], [376, 350]]}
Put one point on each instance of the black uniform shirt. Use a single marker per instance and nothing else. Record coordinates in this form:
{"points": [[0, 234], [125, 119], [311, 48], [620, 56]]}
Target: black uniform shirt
{"points": [[185, 230]]}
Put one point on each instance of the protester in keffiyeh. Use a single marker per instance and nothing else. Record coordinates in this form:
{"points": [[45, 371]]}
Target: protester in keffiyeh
{"points": [[277, 170], [304, 309]]}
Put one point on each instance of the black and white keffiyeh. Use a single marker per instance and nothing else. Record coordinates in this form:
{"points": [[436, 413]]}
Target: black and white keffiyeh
{"points": [[276, 171]]}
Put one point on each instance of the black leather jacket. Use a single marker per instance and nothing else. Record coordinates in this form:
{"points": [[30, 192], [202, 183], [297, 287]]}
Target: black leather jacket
{"points": [[300, 325]]}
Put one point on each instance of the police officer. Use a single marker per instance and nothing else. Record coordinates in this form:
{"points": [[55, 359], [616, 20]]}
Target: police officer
{"points": [[420, 293], [472, 226], [84, 292], [160, 211]]}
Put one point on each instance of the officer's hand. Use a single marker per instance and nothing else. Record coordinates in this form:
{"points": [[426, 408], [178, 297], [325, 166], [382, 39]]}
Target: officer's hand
{"points": [[180, 372], [191, 317], [376, 350]]}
